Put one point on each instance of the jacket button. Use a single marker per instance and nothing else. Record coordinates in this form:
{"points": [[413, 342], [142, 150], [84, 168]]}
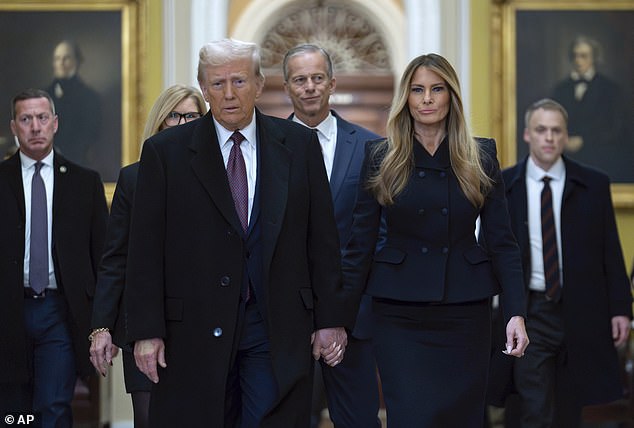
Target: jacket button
{"points": [[217, 332], [425, 250], [443, 174], [445, 250], [444, 211], [421, 211], [225, 281], [421, 174]]}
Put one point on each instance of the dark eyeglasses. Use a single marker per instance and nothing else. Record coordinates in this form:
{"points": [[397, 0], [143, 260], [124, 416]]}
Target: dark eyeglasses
{"points": [[174, 118]]}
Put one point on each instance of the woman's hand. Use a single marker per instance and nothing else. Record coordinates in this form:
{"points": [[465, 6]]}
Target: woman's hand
{"points": [[516, 337]]}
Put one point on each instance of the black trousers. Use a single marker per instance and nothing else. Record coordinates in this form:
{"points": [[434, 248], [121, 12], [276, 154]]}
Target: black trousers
{"points": [[546, 393]]}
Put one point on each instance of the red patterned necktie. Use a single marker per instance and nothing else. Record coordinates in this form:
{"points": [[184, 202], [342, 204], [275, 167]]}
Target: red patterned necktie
{"points": [[237, 175]]}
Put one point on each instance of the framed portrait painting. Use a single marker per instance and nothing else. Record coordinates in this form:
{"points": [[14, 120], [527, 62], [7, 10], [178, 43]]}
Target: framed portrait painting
{"points": [[581, 54], [85, 54]]}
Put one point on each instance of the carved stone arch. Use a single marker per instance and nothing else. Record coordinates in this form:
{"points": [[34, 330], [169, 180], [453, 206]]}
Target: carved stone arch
{"points": [[352, 41]]}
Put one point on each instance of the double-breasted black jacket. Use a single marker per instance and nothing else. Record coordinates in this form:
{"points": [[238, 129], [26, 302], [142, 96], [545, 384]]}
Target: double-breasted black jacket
{"points": [[431, 253]]}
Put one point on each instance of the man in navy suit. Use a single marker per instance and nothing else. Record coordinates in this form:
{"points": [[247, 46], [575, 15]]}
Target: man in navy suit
{"points": [[351, 387], [574, 328], [45, 317], [233, 264]]}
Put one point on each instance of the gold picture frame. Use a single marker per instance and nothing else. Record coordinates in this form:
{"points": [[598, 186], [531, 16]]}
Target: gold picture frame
{"points": [[110, 34], [531, 46]]}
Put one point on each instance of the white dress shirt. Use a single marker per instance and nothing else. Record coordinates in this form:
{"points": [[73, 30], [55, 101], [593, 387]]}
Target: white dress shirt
{"points": [[534, 186], [46, 172], [327, 133], [249, 152]]}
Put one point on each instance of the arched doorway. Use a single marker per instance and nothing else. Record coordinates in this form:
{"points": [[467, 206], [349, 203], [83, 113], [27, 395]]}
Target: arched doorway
{"points": [[362, 60]]}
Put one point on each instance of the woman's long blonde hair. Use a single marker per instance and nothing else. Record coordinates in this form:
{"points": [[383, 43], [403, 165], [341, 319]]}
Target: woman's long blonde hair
{"points": [[166, 102], [397, 162]]}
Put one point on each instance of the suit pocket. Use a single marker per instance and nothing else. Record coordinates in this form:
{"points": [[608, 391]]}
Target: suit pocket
{"points": [[306, 293], [390, 255], [173, 309], [476, 255]]}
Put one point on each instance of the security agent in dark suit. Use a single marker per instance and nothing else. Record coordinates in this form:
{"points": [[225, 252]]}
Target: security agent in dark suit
{"points": [[351, 387], [222, 303], [47, 268], [572, 360]]}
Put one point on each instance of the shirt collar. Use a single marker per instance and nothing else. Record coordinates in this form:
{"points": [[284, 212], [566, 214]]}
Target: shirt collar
{"points": [[587, 76], [325, 127], [27, 162], [249, 133], [556, 172]]}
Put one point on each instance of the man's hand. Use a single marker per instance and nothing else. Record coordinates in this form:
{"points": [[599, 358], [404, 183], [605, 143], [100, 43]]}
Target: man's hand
{"points": [[330, 344], [516, 337], [620, 329], [147, 354], [102, 351]]}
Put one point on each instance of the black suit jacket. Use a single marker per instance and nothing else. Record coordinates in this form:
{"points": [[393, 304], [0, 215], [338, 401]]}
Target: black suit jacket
{"points": [[595, 283], [430, 252], [79, 226], [108, 310], [187, 256]]}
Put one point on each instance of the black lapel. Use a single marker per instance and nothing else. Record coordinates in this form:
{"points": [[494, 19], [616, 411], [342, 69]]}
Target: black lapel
{"points": [[273, 178], [209, 168], [15, 181]]}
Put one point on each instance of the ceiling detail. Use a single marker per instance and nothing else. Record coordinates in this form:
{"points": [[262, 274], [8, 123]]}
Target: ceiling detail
{"points": [[352, 41]]}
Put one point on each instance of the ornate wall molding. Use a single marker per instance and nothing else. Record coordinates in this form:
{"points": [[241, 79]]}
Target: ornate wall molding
{"points": [[353, 42]]}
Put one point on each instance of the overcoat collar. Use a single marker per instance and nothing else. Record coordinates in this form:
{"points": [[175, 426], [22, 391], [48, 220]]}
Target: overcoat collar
{"points": [[15, 180], [272, 177], [574, 177]]}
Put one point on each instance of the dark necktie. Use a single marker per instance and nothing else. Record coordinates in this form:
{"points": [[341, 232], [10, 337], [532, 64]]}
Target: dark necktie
{"points": [[237, 175], [38, 261], [549, 244]]}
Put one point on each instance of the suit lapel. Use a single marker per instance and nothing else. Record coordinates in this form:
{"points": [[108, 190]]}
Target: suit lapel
{"points": [[344, 151], [273, 180], [574, 179], [15, 181], [517, 201], [61, 171], [209, 168]]}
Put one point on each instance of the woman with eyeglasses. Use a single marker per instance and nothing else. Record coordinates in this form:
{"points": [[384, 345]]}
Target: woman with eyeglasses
{"points": [[177, 105]]}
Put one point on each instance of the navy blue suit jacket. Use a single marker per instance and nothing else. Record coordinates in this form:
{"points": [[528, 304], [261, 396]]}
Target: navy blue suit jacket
{"points": [[344, 181]]}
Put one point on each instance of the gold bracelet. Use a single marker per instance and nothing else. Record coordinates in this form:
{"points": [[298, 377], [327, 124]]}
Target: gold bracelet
{"points": [[96, 331]]}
